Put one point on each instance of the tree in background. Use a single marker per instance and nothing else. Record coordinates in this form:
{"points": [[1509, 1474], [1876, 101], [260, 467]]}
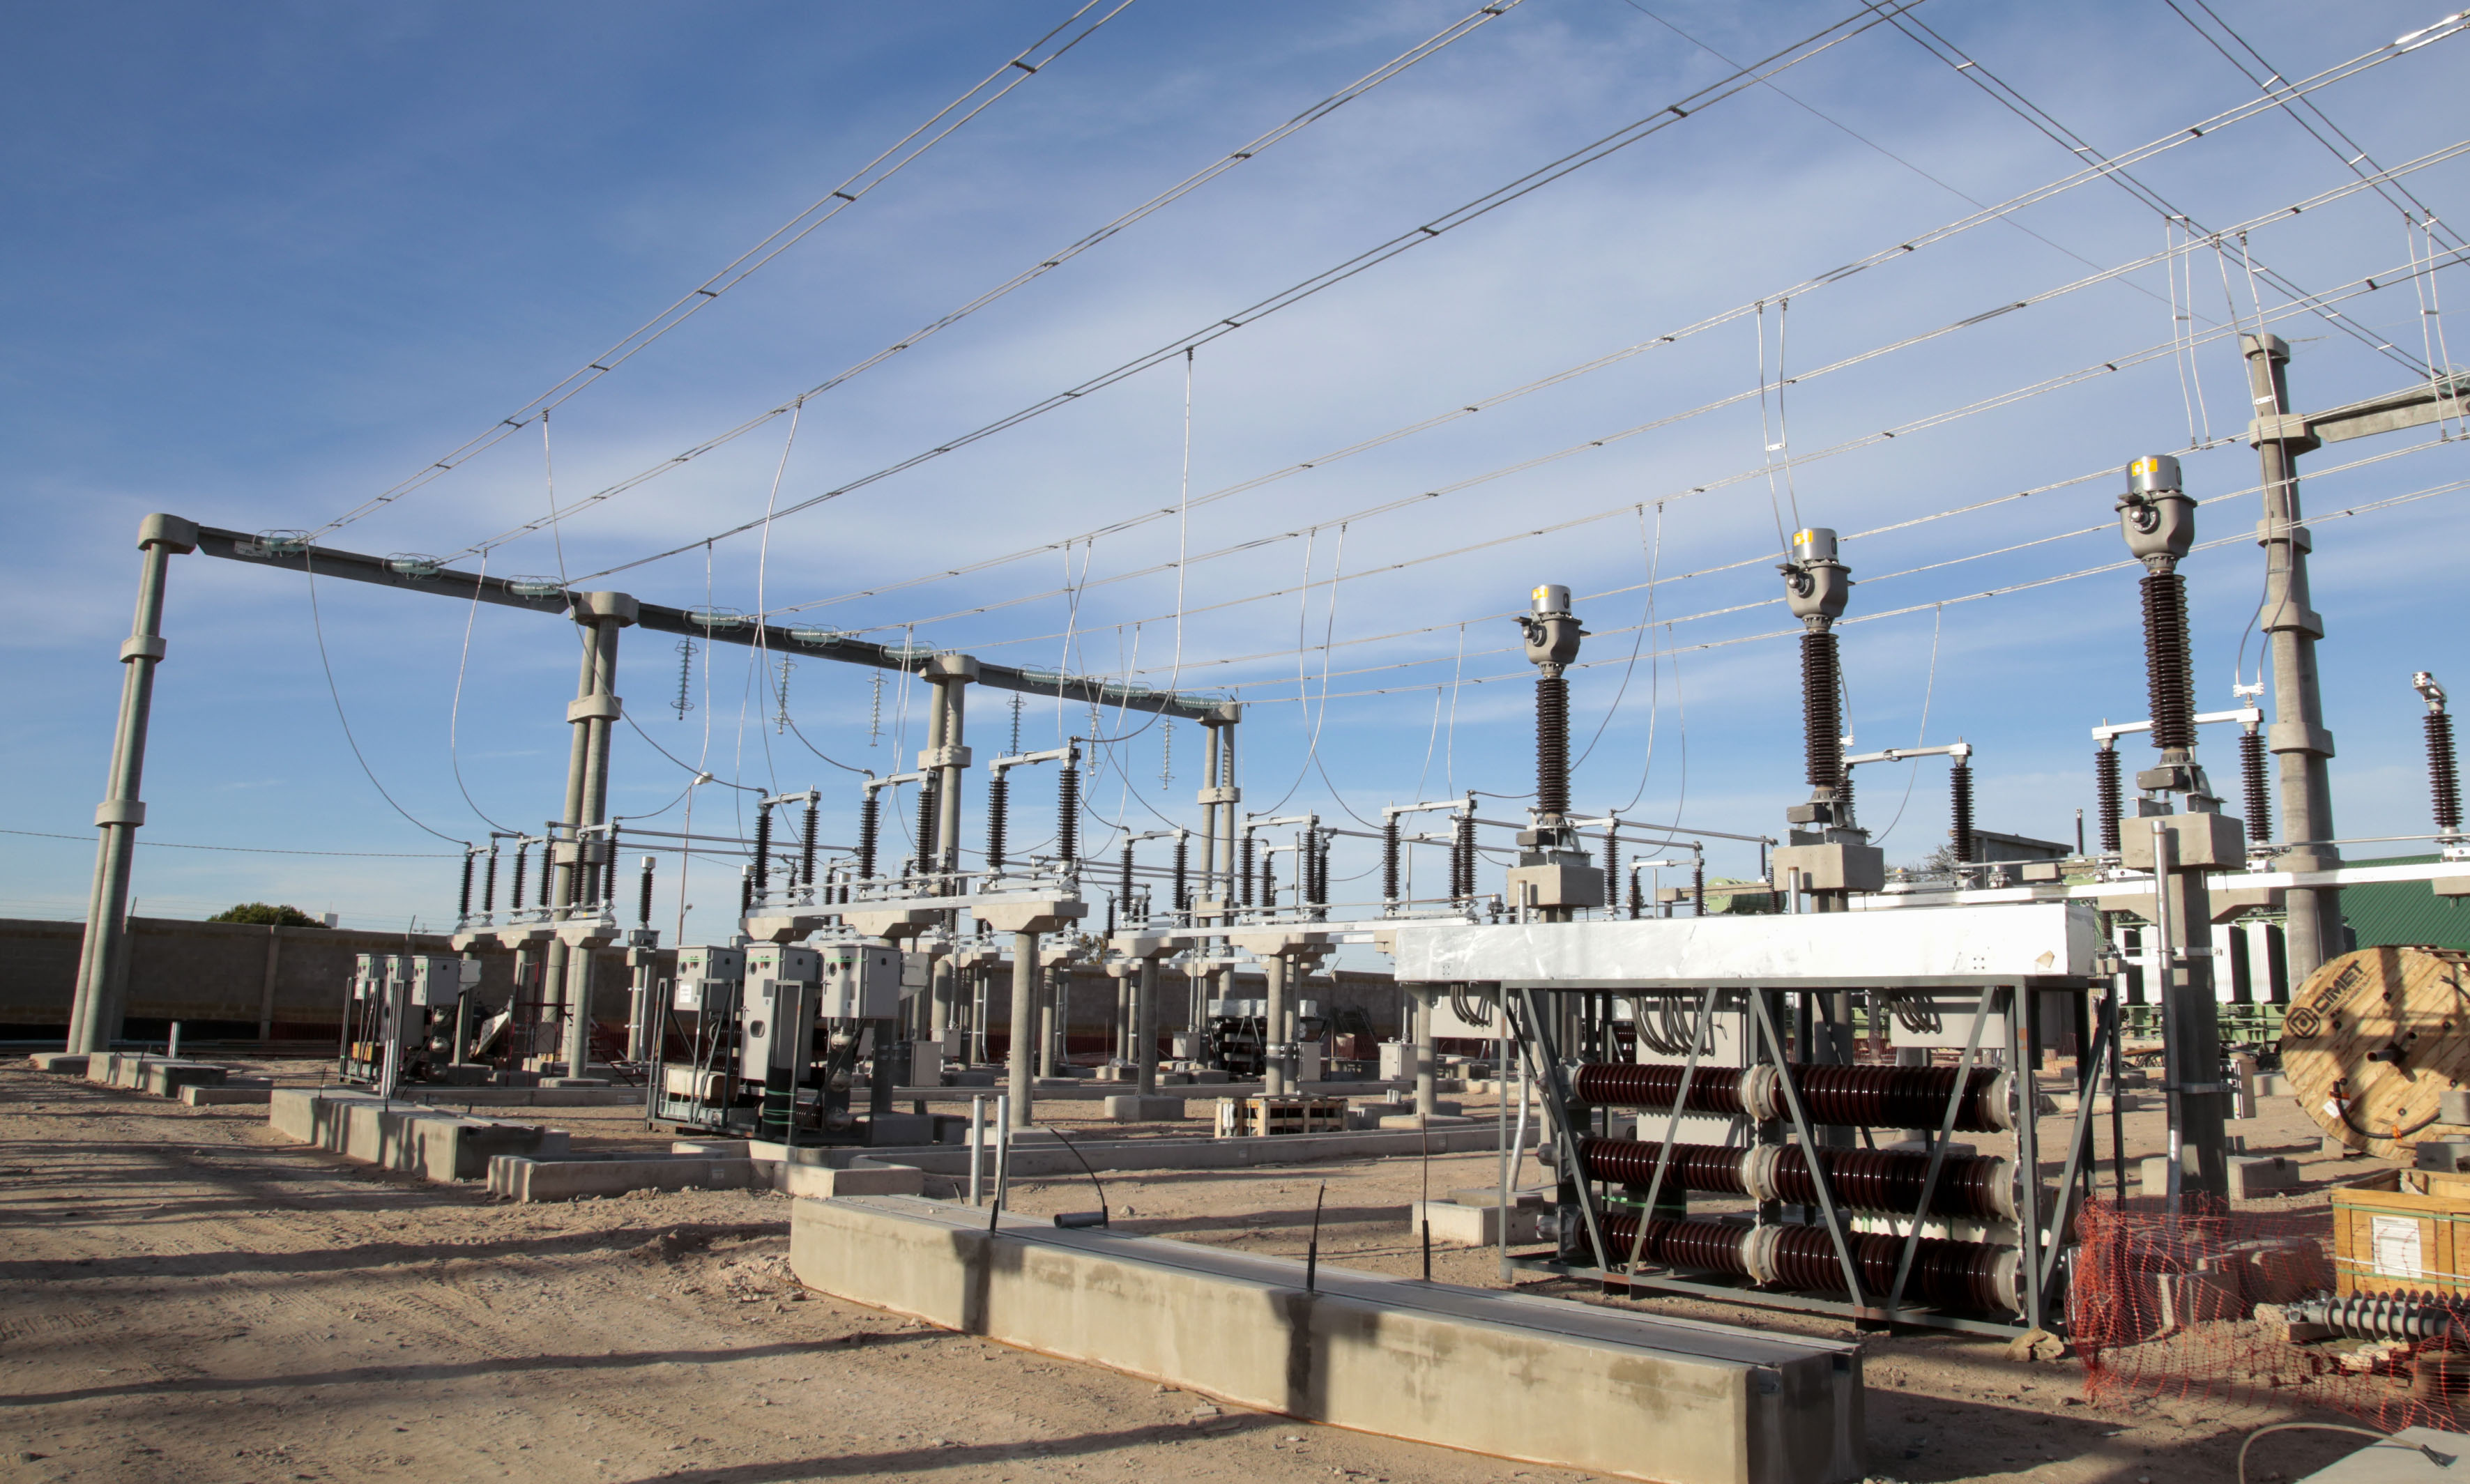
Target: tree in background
{"points": [[261, 915]]}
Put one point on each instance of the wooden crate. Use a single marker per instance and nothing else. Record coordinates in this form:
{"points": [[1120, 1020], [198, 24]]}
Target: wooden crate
{"points": [[2402, 1231], [1243, 1118]]}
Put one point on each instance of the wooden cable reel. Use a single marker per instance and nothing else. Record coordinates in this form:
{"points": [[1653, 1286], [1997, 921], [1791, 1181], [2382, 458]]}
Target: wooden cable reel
{"points": [[2374, 1039]]}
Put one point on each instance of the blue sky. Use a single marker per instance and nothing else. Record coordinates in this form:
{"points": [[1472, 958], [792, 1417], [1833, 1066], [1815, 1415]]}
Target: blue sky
{"points": [[266, 262]]}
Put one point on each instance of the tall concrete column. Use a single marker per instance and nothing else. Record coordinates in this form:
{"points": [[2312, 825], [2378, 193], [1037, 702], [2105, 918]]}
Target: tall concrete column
{"points": [[938, 979], [1274, 1032], [95, 1012], [594, 715], [1051, 1010], [946, 754], [1026, 973], [1145, 1018], [2302, 749]]}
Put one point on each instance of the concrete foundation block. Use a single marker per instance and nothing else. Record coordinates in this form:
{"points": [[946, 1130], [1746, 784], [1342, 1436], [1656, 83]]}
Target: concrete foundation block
{"points": [[1419, 1120], [2260, 1174], [824, 1183], [2187, 1299], [1629, 1396], [166, 1078], [59, 1063], [405, 1136], [1134, 1108], [1460, 1225], [517, 1177], [226, 1097]]}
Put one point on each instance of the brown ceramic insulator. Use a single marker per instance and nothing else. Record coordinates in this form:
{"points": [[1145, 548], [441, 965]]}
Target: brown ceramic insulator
{"points": [[1878, 1097], [1699, 1246], [1891, 1180], [1625, 1084], [1695, 1167], [1950, 1274]]}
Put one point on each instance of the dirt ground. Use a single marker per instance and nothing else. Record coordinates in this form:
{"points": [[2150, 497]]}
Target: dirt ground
{"points": [[183, 1296]]}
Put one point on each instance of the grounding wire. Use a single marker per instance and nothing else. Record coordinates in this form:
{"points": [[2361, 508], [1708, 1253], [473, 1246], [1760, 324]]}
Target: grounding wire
{"points": [[454, 711], [318, 626], [1767, 466], [2002, 211], [1428, 47], [1814, 45], [787, 235], [1921, 737]]}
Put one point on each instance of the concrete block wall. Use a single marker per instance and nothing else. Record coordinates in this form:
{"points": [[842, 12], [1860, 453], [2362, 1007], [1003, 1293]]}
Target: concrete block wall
{"points": [[232, 981]]}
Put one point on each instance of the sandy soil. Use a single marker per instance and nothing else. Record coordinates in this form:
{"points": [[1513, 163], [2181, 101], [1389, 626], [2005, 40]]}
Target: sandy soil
{"points": [[186, 1297]]}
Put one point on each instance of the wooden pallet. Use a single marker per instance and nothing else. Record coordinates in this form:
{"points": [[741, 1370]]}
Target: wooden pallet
{"points": [[1244, 1117]]}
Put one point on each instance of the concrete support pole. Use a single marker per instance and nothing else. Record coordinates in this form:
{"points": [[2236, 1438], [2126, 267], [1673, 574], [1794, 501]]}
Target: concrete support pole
{"points": [[1211, 808], [1425, 1100], [1051, 1010], [2192, 1073], [1274, 1053], [948, 755], [594, 714], [1145, 1021], [2302, 749], [1025, 976], [938, 1022], [95, 1012]]}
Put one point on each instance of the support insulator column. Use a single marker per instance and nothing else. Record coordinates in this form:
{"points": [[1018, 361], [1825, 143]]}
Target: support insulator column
{"points": [[2443, 776], [1821, 719], [998, 808], [2108, 796], [1067, 810], [762, 862], [807, 844], [1388, 861], [1959, 832], [643, 912], [2258, 798], [870, 826]]}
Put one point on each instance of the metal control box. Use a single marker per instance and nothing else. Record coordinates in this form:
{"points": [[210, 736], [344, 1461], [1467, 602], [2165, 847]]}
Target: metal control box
{"points": [[438, 979], [791, 961], [707, 980], [859, 981], [778, 1026]]}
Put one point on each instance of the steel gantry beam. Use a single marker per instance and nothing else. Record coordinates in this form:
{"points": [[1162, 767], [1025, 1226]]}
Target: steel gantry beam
{"points": [[823, 644]]}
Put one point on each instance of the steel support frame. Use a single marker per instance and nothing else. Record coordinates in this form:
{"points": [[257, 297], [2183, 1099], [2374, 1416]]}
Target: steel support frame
{"points": [[2040, 1224]]}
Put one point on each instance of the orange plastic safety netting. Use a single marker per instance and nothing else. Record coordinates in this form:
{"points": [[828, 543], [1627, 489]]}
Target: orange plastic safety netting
{"points": [[2218, 1305]]}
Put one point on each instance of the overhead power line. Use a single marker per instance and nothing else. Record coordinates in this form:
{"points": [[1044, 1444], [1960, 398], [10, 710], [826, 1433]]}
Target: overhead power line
{"points": [[2078, 375], [2041, 121], [1295, 293], [1012, 74], [1742, 311]]}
